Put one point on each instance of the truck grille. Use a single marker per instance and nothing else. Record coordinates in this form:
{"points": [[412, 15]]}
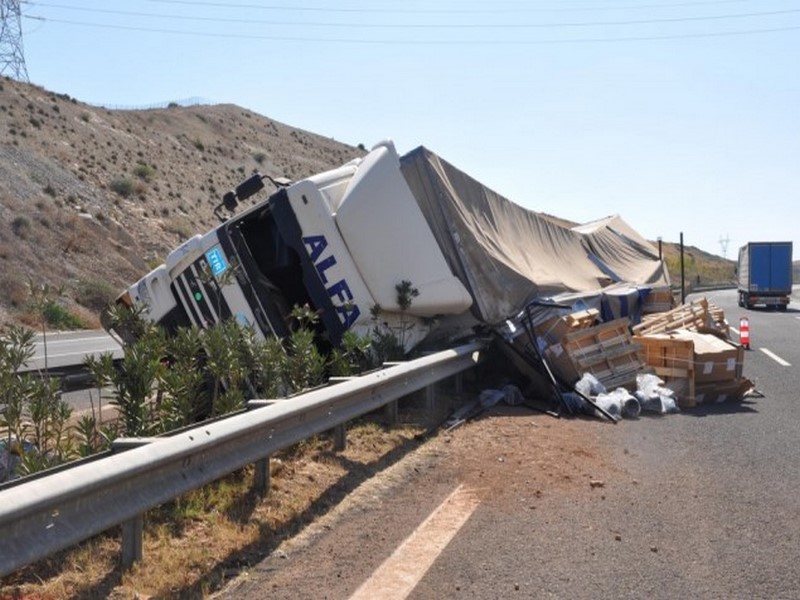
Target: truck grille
{"points": [[200, 295]]}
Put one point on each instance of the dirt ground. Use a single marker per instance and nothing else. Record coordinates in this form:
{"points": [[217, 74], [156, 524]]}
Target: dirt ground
{"points": [[506, 456]]}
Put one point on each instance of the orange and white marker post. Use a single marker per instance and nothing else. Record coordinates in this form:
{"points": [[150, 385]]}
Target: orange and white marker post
{"points": [[744, 332]]}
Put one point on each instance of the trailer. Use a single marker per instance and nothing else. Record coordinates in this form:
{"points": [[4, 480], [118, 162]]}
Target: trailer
{"points": [[765, 274]]}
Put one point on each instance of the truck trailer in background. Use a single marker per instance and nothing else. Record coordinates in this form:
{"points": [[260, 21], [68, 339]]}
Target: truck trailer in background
{"points": [[765, 274]]}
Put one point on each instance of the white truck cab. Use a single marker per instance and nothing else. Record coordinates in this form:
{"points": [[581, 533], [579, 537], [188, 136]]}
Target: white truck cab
{"points": [[339, 242]]}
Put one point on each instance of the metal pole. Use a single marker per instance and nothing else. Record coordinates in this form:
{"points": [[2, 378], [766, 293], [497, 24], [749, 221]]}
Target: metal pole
{"points": [[683, 273]]}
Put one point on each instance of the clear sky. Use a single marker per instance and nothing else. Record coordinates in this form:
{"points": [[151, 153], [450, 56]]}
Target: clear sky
{"points": [[678, 115]]}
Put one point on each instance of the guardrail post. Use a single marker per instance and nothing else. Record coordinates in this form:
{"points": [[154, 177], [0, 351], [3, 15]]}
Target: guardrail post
{"points": [[458, 383], [430, 398], [261, 481], [132, 535], [392, 412], [340, 437]]}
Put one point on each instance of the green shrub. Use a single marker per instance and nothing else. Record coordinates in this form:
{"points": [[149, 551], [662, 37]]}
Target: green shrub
{"points": [[122, 186], [21, 226], [58, 317], [95, 295], [144, 172]]}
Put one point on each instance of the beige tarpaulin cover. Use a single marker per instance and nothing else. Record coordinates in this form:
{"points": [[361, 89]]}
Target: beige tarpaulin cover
{"points": [[507, 255]]}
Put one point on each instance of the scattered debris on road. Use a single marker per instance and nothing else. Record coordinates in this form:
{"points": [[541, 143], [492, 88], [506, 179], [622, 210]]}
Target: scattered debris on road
{"points": [[651, 361]]}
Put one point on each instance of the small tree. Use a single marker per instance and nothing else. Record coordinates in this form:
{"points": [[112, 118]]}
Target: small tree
{"points": [[224, 366], [305, 364], [15, 350], [182, 381], [135, 382], [352, 355], [405, 296], [269, 368], [42, 296]]}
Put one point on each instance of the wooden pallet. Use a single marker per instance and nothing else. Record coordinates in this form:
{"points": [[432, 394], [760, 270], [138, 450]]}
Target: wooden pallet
{"points": [[694, 316], [554, 329], [719, 322], [607, 351]]}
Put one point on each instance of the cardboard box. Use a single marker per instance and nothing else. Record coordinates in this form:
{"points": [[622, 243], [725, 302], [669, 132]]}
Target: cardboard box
{"points": [[715, 360], [726, 391], [672, 359]]}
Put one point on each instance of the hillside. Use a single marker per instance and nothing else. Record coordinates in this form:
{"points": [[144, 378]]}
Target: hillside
{"points": [[90, 198]]}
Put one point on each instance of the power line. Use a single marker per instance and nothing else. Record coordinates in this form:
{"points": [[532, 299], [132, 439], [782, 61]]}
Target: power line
{"points": [[431, 11], [12, 58], [496, 42], [482, 26]]}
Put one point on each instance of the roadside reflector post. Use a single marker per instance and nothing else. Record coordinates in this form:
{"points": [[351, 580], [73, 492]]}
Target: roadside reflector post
{"points": [[744, 332]]}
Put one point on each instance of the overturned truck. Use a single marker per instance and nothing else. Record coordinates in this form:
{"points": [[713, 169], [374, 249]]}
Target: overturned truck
{"points": [[340, 242]]}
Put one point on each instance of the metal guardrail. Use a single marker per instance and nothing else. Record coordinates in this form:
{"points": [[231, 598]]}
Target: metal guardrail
{"points": [[60, 510]]}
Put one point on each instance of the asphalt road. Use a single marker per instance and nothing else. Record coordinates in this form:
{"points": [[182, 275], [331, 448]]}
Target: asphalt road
{"points": [[702, 504], [68, 348], [64, 355]]}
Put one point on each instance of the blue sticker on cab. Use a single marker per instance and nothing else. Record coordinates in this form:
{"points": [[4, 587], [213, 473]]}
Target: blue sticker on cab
{"points": [[216, 260]]}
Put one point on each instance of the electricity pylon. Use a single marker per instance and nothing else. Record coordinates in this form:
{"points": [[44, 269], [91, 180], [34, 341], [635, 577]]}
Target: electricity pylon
{"points": [[723, 242], [12, 59]]}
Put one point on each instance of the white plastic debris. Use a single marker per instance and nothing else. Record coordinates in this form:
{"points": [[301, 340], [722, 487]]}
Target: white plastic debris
{"points": [[590, 386], [653, 396]]}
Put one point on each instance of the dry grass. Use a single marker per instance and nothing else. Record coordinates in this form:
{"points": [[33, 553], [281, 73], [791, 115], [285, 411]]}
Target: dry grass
{"points": [[196, 543]]}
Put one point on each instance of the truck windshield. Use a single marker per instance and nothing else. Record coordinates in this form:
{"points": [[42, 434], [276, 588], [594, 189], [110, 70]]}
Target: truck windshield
{"points": [[272, 267]]}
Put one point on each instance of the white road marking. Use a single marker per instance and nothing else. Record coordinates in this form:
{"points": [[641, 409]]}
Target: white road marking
{"points": [[399, 574], [775, 357], [75, 354], [733, 329], [57, 340]]}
